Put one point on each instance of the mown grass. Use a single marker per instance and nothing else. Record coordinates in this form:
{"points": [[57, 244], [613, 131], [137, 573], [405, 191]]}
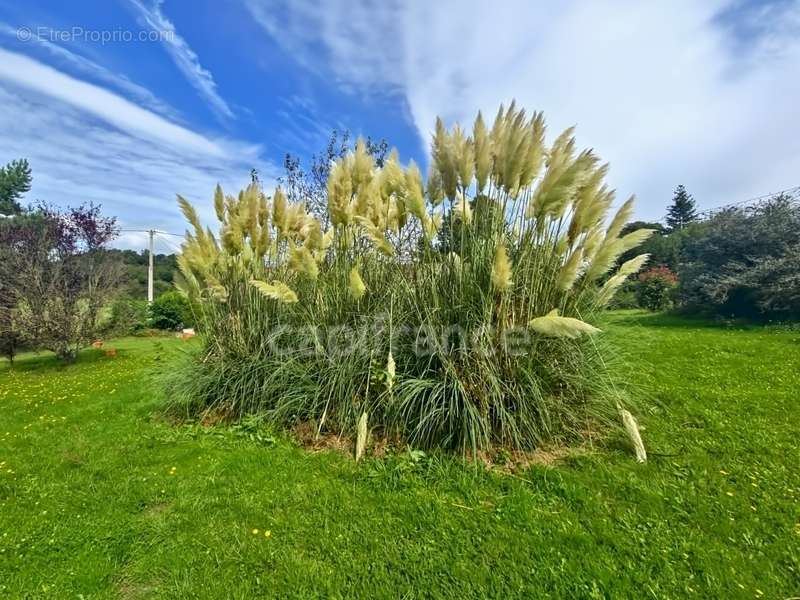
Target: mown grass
{"points": [[102, 498]]}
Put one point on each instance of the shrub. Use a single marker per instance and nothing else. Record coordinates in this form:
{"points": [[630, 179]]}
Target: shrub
{"points": [[10, 338], [663, 247], [127, 316], [58, 275], [626, 297], [743, 261], [656, 288], [488, 342], [171, 310]]}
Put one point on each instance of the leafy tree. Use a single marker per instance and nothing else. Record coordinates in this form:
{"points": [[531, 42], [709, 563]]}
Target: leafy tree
{"points": [[128, 316], [682, 211], [664, 247], [10, 335], [171, 311], [57, 272], [136, 263], [11, 338], [637, 225], [655, 288], [15, 180], [744, 261]]}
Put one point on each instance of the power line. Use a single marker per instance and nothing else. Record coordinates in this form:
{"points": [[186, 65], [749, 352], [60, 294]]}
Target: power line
{"points": [[170, 244], [793, 192], [151, 252], [180, 235]]}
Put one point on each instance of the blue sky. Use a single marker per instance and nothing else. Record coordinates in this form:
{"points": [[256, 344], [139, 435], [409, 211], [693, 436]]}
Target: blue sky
{"points": [[699, 93]]}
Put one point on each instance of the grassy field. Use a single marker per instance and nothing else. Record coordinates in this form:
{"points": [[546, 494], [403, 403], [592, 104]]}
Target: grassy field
{"points": [[100, 497]]}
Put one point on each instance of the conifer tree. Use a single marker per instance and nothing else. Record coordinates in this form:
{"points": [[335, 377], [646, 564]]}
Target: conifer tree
{"points": [[682, 211], [15, 180]]}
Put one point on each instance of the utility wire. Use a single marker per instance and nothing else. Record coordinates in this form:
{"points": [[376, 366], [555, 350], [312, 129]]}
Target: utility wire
{"points": [[793, 192], [169, 243], [154, 230]]}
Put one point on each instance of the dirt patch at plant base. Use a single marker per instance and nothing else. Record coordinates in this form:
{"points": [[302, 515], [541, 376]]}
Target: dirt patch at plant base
{"points": [[499, 459], [507, 461]]}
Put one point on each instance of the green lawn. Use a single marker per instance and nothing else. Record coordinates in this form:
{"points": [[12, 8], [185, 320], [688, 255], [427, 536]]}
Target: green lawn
{"points": [[102, 498]]}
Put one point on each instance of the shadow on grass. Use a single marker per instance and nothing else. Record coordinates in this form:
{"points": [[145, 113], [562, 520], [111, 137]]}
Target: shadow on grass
{"points": [[674, 320], [45, 360]]}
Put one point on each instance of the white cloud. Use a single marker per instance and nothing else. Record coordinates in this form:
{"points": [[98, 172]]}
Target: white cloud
{"points": [[86, 144], [670, 92], [183, 56], [31, 74], [87, 67]]}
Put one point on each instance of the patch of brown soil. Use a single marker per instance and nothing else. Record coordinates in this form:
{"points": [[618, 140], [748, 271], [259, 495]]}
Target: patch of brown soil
{"points": [[514, 461], [215, 416], [308, 436]]}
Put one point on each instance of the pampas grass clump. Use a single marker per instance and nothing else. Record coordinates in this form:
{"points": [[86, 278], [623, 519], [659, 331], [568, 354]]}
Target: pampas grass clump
{"points": [[457, 311]]}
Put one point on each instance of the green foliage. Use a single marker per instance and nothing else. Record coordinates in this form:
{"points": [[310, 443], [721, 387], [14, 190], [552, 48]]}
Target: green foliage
{"points": [[171, 311], [743, 262], [655, 288], [682, 211], [15, 180], [11, 339], [487, 336], [109, 502], [164, 267], [57, 276], [626, 297], [663, 247], [128, 316]]}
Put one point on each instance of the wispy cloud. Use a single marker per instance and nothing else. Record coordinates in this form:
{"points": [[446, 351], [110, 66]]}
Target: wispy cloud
{"points": [[87, 67], [359, 40], [85, 143], [183, 56], [99, 102], [667, 91], [304, 128]]}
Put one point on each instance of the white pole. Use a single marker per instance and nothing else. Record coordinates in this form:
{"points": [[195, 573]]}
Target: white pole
{"points": [[150, 270]]}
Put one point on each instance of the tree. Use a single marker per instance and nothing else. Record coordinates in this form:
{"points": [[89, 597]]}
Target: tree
{"points": [[682, 211], [136, 272], [15, 180], [663, 247], [655, 288], [10, 336], [171, 311], [745, 261], [11, 246], [58, 275]]}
